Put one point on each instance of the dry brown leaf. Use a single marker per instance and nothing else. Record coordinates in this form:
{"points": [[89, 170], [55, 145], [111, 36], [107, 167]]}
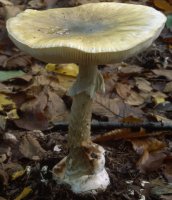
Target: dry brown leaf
{"points": [[6, 3], [167, 169], [151, 161], [165, 5], [163, 72], [5, 89], [151, 151], [131, 69], [160, 188], [51, 81], [32, 121], [148, 144], [5, 152], [35, 105], [143, 84], [110, 78], [166, 197], [12, 11], [123, 90], [134, 99], [36, 4], [106, 107], [117, 135], [55, 109], [41, 107], [114, 109], [16, 61], [168, 87], [50, 3], [131, 119], [31, 148], [3, 58]]}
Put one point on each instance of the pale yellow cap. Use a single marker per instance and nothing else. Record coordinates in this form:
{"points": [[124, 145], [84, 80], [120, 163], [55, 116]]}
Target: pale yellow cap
{"points": [[95, 33]]}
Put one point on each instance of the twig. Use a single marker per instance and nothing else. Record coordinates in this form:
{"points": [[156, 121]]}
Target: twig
{"points": [[118, 125]]}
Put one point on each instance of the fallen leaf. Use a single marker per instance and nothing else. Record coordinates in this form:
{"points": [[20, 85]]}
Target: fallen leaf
{"points": [[42, 106], [6, 103], [168, 87], [106, 107], [148, 144], [167, 169], [164, 107], [169, 22], [123, 90], [50, 3], [159, 188], [114, 109], [134, 99], [11, 11], [166, 197], [158, 97], [63, 69], [31, 148], [131, 69], [32, 121], [26, 191], [117, 135], [151, 161], [163, 4], [55, 109], [36, 4], [151, 151], [131, 119], [163, 72], [5, 151], [162, 119], [143, 84], [2, 59], [19, 60], [3, 121], [17, 174], [50, 81], [11, 168], [5, 89], [6, 75], [65, 73], [6, 3], [12, 114]]}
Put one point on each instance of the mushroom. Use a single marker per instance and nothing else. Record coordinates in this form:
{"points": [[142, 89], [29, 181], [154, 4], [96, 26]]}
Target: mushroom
{"points": [[88, 35]]}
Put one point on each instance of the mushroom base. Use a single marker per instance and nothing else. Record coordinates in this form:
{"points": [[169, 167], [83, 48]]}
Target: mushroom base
{"points": [[86, 173]]}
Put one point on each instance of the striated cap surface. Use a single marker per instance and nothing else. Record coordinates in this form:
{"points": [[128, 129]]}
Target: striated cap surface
{"points": [[95, 33]]}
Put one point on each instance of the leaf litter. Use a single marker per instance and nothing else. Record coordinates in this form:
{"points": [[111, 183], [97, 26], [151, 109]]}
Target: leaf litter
{"points": [[137, 90]]}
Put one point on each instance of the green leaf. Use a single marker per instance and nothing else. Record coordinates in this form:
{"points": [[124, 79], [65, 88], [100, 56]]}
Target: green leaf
{"points": [[169, 21], [6, 75]]}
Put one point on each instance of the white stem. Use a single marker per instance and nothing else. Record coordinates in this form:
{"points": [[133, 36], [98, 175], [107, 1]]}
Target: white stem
{"points": [[83, 169]]}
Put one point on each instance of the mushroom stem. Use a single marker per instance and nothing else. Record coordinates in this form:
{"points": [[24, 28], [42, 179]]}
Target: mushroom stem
{"points": [[80, 122], [89, 80], [83, 169]]}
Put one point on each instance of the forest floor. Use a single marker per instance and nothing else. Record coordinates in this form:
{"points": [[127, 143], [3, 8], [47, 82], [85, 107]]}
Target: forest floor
{"points": [[34, 103]]}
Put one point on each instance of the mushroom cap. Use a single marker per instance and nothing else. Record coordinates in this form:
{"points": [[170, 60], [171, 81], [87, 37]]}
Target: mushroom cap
{"points": [[92, 33]]}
